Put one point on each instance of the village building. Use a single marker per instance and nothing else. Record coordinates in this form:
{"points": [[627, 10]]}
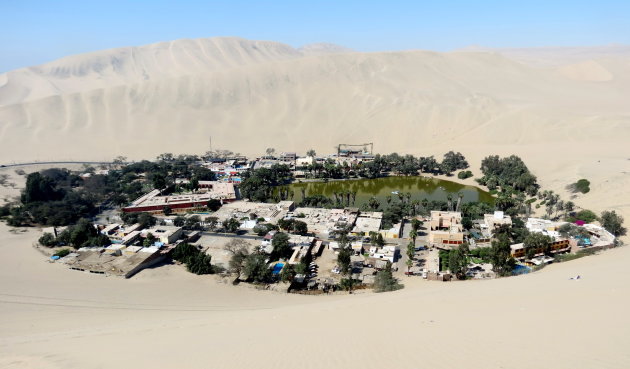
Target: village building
{"points": [[518, 250], [494, 221], [325, 221], [394, 232], [165, 234], [445, 229], [116, 260], [154, 202], [247, 210], [367, 222]]}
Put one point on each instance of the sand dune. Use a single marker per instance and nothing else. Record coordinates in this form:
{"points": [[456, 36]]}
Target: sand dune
{"points": [[250, 95], [52, 317]]}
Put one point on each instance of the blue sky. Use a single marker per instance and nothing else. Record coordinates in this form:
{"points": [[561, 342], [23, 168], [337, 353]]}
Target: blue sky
{"points": [[35, 32]]}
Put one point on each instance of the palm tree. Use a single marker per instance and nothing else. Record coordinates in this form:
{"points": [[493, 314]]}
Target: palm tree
{"points": [[413, 234], [449, 197], [460, 196], [559, 206], [425, 205], [408, 197], [414, 206], [388, 198]]}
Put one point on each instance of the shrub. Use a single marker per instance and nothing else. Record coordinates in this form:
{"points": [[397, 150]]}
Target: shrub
{"points": [[584, 215], [464, 174], [582, 186], [47, 239], [62, 253]]}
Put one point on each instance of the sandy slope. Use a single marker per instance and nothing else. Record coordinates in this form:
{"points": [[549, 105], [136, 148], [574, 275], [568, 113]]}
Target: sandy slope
{"points": [[567, 121], [51, 317]]}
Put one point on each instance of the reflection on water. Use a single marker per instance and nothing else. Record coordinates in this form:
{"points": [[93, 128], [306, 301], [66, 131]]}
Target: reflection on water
{"points": [[419, 188]]}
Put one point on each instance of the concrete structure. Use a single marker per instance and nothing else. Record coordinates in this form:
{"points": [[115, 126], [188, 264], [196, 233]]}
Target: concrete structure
{"points": [[165, 234], [304, 162], [384, 253], [110, 229], [130, 238], [324, 221], [367, 222], [118, 261], [544, 226], [288, 156], [393, 232], [518, 250], [493, 221], [445, 229], [154, 202], [246, 209]]}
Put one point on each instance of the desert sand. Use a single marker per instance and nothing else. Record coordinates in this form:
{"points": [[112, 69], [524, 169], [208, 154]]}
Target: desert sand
{"points": [[53, 317], [568, 118]]}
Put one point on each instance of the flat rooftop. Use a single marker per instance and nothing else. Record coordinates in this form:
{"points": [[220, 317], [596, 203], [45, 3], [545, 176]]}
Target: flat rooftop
{"points": [[243, 209]]}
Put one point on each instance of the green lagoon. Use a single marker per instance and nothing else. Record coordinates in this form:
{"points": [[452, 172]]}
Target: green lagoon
{"points": [[419, 187]]}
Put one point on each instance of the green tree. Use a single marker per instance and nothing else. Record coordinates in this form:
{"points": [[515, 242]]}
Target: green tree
{"points": [[194, 184], [256, 268], [214, 205], [47, 239], [287, 273], [411, 253], [300, 227], [81, 233], [311, 153], [231, 225], [212, 223], [502, 261], [536, 242], [146, 220], [380, 241], [167, 210], [184, 252], [453, 161], [193, 223], [344, 258], [40, 188], [238, 249], [179, 221], [458, 261], [200, 264], [385, 281], [613, 223], [149, 240], [347, 284], [159, 181], [281, 246], [413, 234]]}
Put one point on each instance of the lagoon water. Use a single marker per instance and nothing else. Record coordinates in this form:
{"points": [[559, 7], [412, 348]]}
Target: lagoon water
{"points": [[419, 187]]}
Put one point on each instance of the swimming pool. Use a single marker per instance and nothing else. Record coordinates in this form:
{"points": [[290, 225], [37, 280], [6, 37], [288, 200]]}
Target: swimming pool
{"points": [[521, 269], [277, 268]]}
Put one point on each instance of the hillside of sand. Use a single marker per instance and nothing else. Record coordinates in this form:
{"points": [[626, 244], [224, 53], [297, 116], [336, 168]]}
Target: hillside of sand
{"points": [[568, 117]]}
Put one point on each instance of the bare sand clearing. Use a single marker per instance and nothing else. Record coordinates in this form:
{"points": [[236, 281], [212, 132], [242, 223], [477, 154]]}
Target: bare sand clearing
{"points": [[567, 121]]}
